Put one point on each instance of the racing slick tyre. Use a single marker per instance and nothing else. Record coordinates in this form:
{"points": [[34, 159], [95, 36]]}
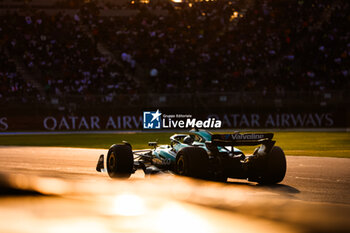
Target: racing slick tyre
{"points": [[193, 162], [120, 161], [276, 167]]}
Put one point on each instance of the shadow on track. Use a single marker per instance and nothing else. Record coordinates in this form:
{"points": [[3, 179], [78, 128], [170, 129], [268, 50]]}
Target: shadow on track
{"points": [[280, 188], [276, 188]]}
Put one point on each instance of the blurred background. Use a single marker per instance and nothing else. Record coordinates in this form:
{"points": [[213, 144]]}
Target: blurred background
{"points": [[84, 65], [81, 58]]}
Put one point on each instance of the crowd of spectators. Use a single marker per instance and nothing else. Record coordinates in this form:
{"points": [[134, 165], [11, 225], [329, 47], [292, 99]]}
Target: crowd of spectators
{"points": [[224, 46], [12, 86], [64, 57], [215, 46]]}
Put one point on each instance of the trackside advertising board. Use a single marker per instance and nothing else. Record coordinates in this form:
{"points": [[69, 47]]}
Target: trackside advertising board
{"points": [[156, 119]]}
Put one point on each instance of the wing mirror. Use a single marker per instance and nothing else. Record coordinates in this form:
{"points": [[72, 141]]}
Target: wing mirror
{"points": [[154, 144]]}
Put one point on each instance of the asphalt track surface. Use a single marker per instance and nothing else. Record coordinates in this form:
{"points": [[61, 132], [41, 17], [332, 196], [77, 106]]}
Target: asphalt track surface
{"points": [[58, 190]]}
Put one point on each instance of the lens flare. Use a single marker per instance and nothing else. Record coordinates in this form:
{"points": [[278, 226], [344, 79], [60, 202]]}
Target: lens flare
{"points": [[187, 220], [128, 205]]}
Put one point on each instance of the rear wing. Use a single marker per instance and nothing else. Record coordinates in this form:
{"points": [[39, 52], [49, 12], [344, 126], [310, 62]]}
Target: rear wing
{"points": [[237, 139]]}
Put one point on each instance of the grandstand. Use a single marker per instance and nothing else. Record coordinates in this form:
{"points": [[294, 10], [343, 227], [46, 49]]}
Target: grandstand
{"points": [[162, 53]]}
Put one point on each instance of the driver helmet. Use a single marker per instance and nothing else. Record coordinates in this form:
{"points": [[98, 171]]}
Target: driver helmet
{"points": [[188, 140]]}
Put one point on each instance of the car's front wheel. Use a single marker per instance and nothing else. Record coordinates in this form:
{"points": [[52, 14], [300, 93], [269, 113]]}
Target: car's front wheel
{"points": [[120, 161]]}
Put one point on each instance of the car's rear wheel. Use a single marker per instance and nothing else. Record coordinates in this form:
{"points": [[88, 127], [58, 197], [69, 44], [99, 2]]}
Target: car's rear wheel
{"points": [[276, 167], [120, 161], [193, 162]]}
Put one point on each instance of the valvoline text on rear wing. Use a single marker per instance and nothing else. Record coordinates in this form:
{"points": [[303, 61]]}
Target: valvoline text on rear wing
{"points": [[237, 139]]}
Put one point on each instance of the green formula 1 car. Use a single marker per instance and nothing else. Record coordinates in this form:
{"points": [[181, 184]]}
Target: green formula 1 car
{"points": [[201, 154]]}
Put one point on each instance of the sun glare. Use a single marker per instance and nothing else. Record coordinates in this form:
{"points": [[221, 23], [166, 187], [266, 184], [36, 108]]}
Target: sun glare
{"points": [[128, 205], [186, 220], [234, 15]]}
